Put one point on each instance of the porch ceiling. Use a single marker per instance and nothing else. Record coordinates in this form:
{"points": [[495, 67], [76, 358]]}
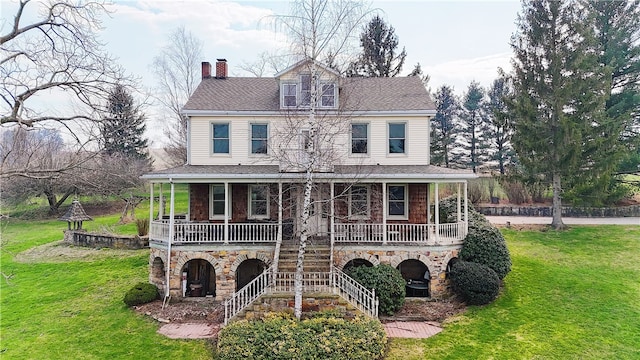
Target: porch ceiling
{"points": [[271, 173]]}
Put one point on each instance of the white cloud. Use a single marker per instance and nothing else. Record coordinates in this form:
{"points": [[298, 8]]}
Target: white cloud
{"points": [[459, 73]]}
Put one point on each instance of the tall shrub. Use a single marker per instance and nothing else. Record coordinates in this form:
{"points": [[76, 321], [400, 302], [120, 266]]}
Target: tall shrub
{"points": [[388, 282], [475, 283]]}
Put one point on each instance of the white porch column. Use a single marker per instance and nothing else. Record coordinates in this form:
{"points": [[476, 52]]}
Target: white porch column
{"points": [[466, 210], [332, 194], [437, 210], [428, 204], [459, 215], [279, 212], [151, 203], [384, 213], [226, 212], [172, 234]]}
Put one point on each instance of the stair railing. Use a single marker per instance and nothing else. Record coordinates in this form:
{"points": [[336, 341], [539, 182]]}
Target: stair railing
{"points": [[357, 295], [248, 294]]}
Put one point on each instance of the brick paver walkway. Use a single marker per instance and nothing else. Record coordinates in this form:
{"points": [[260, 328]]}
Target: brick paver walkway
{"points": [[411, 329], [189, 330], [396, 329]]}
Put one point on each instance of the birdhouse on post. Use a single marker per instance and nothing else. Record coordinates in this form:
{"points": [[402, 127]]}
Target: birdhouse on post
{"points": [[75, 215]]}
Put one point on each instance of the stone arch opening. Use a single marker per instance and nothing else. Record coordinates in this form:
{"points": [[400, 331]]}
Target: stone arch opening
{"points": [[158, 272], [447, 274], [198, 278], [355, 263], [247, 271], [417, 276]]}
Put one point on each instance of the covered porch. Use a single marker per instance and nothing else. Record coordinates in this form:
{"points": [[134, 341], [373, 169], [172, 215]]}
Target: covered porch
{"points": [[258, 205]]}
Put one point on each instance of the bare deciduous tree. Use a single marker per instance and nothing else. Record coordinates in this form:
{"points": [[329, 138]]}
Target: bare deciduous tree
{"points": [[56, 56], [177, 69], [319, 31]]}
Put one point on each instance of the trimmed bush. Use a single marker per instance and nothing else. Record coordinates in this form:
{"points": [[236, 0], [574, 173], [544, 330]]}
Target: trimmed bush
{"points": [[475, 283], [388, 282], [484, 243], [280, 336], [142, 293]]}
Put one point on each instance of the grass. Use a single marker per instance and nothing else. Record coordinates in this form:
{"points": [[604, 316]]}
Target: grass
{"points": [[570, 295]]}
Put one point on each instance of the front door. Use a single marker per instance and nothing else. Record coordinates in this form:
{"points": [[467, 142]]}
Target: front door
{"points": [[318, 212]]}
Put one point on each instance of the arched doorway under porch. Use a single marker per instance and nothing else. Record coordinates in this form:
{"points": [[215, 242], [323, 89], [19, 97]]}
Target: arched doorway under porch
{"points": [[248, 270], [200, 278], [417, 276], [355, 263]]}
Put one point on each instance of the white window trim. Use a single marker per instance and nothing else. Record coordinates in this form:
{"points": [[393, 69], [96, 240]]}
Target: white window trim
{"points": [[406, 139], [249, 207], [282, 102], [368, 214], [251, 139], [335, 94], [211, 140], [211, 215], [406, 203], [366, 154]]}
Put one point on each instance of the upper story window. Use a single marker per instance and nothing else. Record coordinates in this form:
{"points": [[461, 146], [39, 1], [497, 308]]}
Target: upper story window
{"points": [[397, 201], [328, 97], [258, 201], [289, 95], [298, 93], [259, 136], [220, 132], [359, 138], [359, 202], [397, 138]]}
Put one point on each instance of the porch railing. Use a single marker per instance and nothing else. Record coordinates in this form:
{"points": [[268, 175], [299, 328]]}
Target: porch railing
{"points": [[247, 295], [374, 233], [357, 295]]}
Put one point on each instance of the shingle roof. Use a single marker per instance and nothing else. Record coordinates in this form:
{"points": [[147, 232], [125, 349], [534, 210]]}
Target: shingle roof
{"points": [[356, 94], [75, 213], [212, 172]]}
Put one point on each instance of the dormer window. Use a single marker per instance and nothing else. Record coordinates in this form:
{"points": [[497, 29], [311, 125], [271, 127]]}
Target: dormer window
{"points": [[298, 94]]}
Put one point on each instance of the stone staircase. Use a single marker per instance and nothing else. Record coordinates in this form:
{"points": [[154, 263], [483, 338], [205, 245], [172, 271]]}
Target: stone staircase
{"points": [[317, 258]]}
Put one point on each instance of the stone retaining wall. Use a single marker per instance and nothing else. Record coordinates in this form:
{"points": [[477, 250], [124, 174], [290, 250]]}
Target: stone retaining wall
{"points": [[94, 240], [623, 211]]}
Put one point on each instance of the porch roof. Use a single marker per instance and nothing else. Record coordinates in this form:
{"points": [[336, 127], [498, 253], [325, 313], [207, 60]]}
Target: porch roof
{"points": [[262, 173]]}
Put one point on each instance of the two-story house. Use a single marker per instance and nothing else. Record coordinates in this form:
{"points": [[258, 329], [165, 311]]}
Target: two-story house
{"points": [[375, 197]]}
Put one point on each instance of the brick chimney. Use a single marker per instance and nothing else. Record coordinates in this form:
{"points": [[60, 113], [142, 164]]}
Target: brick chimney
{"points": [[206, 70], [221, 69]]}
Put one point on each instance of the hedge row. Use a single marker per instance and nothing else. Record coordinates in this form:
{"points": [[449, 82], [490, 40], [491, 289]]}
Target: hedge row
{"points": [[279, 336]]}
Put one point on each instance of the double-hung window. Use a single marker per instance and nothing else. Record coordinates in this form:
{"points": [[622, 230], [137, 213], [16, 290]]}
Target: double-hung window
{"points": [[397, 201], [259, 136], [220, 133], [258, 201], [397, 138], [359, 138], [305, 90], [328, 96], [290, 95], [359, 202], [216, 206]]}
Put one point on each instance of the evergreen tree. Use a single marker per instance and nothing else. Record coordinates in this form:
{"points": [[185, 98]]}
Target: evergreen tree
{"points": [[474, 130], [558, 94], [378, 58], [444, 126], [499, 131], [617, 30], [417, 71], [122, 129]]}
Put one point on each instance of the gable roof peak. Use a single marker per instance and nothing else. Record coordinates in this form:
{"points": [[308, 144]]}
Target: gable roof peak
{"points": [[304, 62]]}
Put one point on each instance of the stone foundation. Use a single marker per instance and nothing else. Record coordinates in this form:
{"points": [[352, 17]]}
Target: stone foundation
{"points": [[226, 260]]}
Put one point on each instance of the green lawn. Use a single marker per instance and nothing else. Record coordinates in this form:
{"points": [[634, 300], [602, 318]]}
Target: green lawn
{"points": [[570, 295]]}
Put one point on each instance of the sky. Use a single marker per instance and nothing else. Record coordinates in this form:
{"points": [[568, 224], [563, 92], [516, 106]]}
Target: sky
{"points": [[454, 41]]}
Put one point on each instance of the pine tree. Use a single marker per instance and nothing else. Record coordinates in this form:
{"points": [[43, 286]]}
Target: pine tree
{"points": [[123, 127], [417, 71], [473, 135], [558, 93], [444, 126], [378, 58], [499, 131]]}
